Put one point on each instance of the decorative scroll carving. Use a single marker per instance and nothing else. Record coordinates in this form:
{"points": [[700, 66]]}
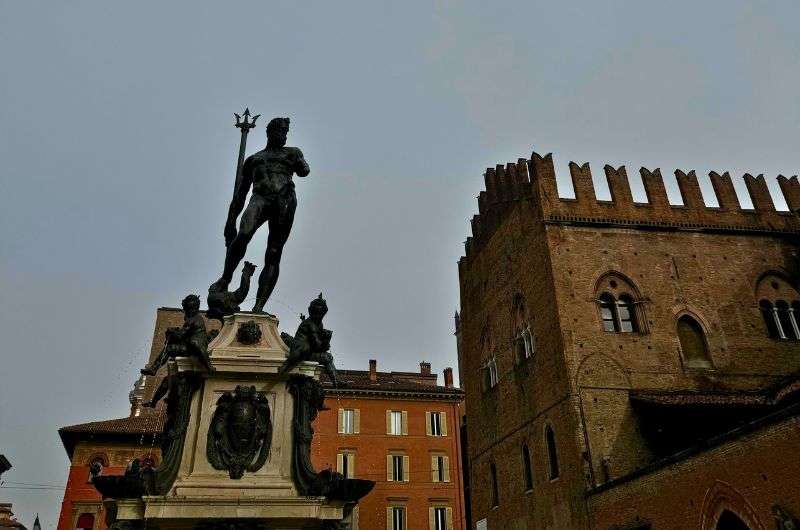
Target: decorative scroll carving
{"points": [[240, 433]]}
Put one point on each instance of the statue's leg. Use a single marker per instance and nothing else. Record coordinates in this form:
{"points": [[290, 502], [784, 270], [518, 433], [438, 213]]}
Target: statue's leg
{"points": [[252, 218], [152, 368], [160, 392], [280, 225]]}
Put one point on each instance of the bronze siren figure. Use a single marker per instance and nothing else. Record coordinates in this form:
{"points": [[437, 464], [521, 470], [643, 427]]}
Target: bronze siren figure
{"points": [[269, 173]]}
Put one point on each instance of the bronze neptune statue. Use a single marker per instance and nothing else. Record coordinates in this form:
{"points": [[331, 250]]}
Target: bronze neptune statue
{"points": [[269, 173]]}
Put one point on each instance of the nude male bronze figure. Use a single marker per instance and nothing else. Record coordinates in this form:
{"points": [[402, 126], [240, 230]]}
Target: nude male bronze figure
{"points": [[269, 173]]}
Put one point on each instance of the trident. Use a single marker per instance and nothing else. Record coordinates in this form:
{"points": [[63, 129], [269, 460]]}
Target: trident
{"points": [[244, 125]]}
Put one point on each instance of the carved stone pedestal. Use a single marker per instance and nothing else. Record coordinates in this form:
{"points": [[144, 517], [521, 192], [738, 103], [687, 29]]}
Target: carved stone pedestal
{"points": [[235, 465]]}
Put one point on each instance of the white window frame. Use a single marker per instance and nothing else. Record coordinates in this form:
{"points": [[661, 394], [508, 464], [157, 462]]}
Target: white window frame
{"points": [[396, 422], [398, 518], [348, 421], [436, 423], [398, 472], [439, 518], [347, 463], [440, 464]]}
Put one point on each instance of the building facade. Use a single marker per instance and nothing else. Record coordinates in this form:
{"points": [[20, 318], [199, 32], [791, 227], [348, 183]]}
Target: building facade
{"points": [[399, 429], [630, 365]]}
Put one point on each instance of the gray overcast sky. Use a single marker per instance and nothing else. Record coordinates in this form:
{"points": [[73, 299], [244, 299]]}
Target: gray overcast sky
{"points": [[117, 154]]}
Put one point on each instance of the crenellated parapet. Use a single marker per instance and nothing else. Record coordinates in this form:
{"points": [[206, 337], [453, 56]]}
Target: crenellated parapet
{"points": [[535, 180]]}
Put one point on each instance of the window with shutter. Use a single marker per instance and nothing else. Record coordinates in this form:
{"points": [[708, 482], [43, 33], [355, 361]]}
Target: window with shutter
{"points": [[397, 518], [347, 421], [396, 421], [434, 423], [398, 465], [440, 518], [345, 464], [440, 468]]}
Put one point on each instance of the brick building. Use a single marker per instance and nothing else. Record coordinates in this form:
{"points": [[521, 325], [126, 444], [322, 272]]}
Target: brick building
{"points": [[630, 365], [399, 429]]}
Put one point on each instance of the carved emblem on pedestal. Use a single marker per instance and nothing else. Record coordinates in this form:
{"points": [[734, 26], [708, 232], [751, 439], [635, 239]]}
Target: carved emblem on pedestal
{"points": [[240, 433], [248, 333]]}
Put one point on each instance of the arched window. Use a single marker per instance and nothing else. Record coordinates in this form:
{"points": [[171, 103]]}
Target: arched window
{"points": [[693, 343], [85, 521], [607, 310], [495, 496], [552, 452], [524, 345], [625, 313], [787, 319], [770, 318], [617, 299], [779, 303], [526, 466]]}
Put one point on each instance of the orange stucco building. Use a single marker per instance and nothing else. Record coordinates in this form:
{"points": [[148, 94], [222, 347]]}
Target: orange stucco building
{"points": [[357, 435]]}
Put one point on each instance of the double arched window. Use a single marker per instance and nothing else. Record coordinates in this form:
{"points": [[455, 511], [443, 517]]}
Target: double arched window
{"points": [[618, 301], [779, 303], [522, 339]]}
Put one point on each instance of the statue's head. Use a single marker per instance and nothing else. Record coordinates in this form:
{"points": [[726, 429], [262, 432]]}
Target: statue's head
{"points": [[191, 304], [318, 307], [277, 129]]}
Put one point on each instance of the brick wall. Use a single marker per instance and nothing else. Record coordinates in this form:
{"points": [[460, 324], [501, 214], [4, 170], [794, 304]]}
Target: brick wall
{"points": [[747, 475]]}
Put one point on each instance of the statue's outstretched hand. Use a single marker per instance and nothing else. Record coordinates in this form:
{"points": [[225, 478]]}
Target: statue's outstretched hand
{"points": [[230, 233]]}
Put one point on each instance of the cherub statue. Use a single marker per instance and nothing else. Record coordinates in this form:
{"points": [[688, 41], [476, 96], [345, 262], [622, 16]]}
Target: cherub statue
{"points": [[222, 302], [189, 340], [312, 341]]}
